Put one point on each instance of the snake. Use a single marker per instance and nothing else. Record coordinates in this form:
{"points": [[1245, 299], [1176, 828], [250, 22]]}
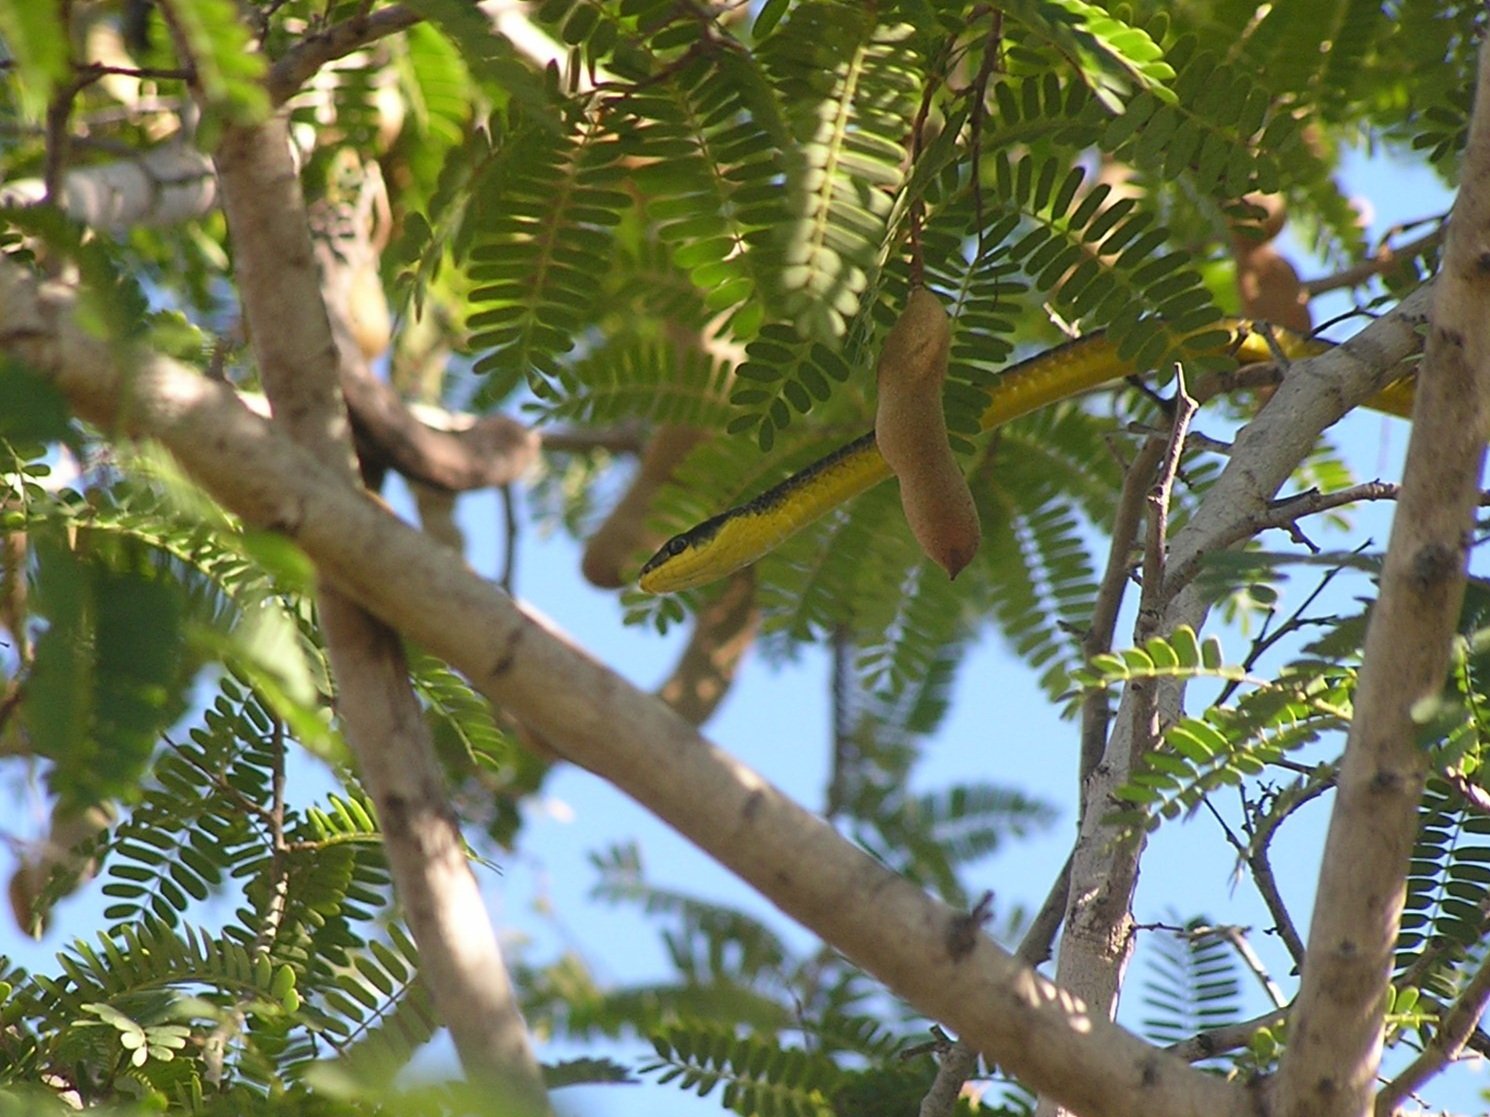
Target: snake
{"points": [[741, 535]]}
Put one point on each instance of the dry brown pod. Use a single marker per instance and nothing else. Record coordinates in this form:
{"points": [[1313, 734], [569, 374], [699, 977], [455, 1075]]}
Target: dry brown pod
{"points": [[910, 430], [1268, 285]]}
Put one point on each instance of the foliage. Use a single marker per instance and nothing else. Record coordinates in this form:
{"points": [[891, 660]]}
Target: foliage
{"points": [[702, 215], [1192, 983]]}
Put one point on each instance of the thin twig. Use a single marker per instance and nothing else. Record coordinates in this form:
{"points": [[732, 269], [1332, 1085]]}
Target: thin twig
{"points": [[1283, 514], [978, 94], [1153, 598], [1386, 260], [1095, 710], [843, 745], [509, 539], [303, 60], [918, 206], [1267, 640], [1267, 886], [1216, 1041], [1459, 1024], [1238, 940]]}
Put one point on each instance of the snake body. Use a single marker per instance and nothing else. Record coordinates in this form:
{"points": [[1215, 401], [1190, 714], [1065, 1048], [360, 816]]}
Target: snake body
{"points": [[738, 537]]}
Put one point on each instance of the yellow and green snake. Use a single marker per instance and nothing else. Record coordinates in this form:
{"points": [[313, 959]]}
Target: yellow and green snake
{"points": [[738, 537]]}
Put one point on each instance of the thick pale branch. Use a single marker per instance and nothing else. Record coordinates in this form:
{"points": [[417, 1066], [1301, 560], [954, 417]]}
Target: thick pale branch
{"points": [[280, 287], [162, 186], [1335, 1037], [593, 717]]}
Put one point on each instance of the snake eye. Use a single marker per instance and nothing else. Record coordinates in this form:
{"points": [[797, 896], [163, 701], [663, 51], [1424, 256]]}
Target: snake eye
{"points": [[677, 545]]}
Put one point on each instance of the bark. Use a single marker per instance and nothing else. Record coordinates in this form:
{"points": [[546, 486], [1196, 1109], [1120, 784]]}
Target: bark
{"points": [[1335, 1035], [280, 288], [163, 186]]}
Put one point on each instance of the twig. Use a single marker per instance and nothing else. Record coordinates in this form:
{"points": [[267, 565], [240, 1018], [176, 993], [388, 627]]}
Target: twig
{"points": [[1267, 886], [1283, 514], [1153, 598], [1266, 640], [917, 214], [843, 745], [509, 539], [89, 72], [978, 94], [1216, 1041], [1387, 259], [1238, 940], [302, 61], [1458, 1025], [1095, 711]]}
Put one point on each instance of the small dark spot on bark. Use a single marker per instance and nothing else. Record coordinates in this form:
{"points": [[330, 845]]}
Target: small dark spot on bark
{"points": [[1432, 565], [752, 807], [1450, 337], [393, 814], [1482, 262], [509, 652], [1149, 1077], [1385, 780], [962, 928]]}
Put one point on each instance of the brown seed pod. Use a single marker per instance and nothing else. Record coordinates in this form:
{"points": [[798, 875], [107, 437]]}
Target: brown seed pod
{"points": [[911, 433], [1267, 284]]}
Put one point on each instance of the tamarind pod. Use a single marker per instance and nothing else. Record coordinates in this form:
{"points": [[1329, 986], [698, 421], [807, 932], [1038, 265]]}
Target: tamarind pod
{"points": [[939, 508], [1268, 285], [910, 430]]}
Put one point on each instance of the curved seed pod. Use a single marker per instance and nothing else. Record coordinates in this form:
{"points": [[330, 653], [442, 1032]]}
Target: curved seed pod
{"points": [[939, 508], [911, 433], [1268, 285], [623, 534]]}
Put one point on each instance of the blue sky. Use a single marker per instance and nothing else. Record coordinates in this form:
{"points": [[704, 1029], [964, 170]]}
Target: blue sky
{"points": [[777, 720]]}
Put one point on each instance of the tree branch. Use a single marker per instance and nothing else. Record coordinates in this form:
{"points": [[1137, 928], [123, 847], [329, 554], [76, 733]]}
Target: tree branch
{"points": [[1216, 1041], [1453, 1034], [1314, 394], [1095, 705], [888, 925], [299, 362], [301, 62], [1335, 1036]]}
